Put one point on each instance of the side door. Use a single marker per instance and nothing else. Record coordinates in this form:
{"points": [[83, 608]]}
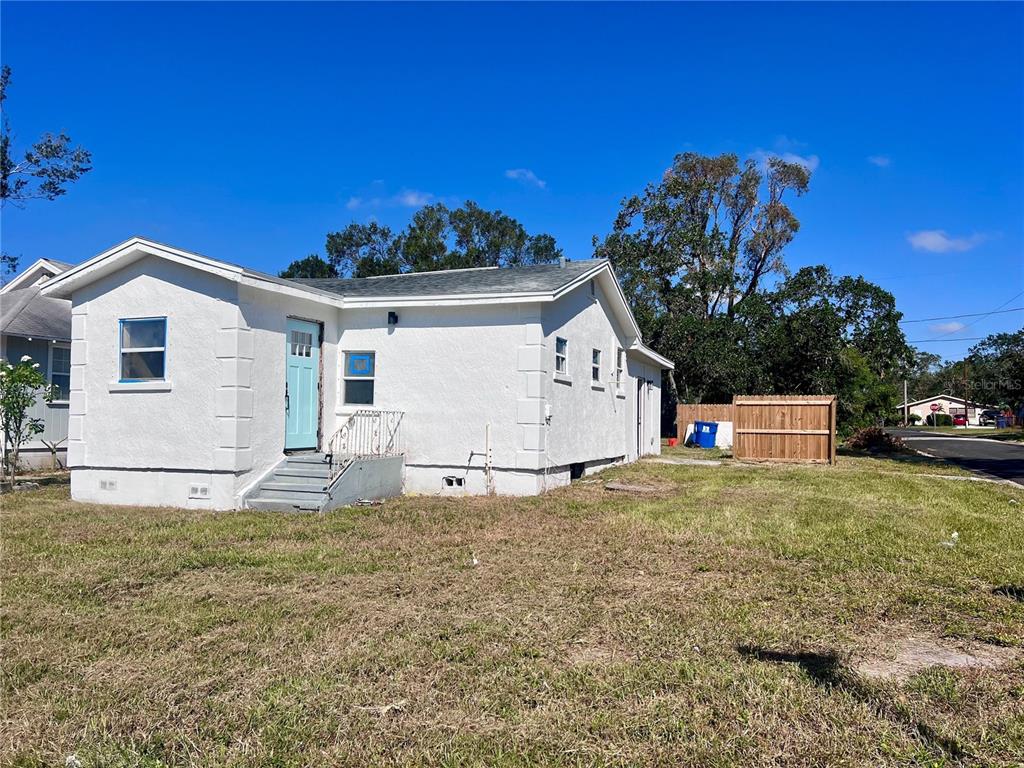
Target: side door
{"points": [[302, 395]]}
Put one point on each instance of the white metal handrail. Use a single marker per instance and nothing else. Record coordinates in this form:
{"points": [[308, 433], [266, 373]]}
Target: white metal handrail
{"points": [[365, 434]]}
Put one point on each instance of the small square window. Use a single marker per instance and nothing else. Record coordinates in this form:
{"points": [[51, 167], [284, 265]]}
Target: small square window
{"points": [[358, 377], [561, 354], [595, 367]]}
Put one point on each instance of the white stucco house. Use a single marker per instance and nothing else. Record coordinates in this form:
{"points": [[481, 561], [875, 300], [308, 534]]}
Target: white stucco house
{"points": [[948, 404], [198, 383]]}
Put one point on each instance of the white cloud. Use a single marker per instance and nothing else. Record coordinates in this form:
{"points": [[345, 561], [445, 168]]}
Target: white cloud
{"points": [[525, 176], [810, 162], [406, 198], [938, 241], [882, 161], [946, 327], [412, 198]]}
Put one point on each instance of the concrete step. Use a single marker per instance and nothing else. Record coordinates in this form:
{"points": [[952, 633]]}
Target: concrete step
{"points": [[283, 504], [294, 485], [306, 458], [309, 471]]}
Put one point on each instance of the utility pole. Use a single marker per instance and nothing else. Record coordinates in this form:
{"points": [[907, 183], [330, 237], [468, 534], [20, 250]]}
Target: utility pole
{"points": [[906, 408], [966, 419]]}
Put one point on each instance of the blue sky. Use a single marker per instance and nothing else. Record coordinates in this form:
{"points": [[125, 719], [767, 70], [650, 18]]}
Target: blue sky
{"points": [[248, 131]]}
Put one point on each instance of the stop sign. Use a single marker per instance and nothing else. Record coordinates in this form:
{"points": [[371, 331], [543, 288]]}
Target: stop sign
{"points": [[935, 407]]}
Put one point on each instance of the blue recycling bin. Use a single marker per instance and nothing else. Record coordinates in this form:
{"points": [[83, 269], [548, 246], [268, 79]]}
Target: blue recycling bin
{"points": [[704, 433], [1001, 422]]}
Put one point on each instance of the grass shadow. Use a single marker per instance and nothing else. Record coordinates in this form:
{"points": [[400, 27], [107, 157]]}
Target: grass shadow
{"points": [[824, 669], [828, 670], [902, 457], [1012, 591]]}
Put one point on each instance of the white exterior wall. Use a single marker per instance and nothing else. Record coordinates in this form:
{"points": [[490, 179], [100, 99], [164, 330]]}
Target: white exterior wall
{"points": [[451, 370], [217, 421], [948, 404], [589, 421], [265, 315], [120, 437]]}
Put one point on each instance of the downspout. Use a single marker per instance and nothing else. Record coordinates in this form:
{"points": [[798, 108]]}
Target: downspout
{"points": [[488, 464]]}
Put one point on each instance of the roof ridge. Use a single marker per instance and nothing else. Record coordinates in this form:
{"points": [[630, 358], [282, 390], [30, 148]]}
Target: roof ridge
{"points": [[464, 269], [424, 272]]}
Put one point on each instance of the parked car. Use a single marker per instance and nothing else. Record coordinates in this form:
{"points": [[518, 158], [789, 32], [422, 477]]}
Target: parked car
{"points": [[959, 420], [988, 417]]}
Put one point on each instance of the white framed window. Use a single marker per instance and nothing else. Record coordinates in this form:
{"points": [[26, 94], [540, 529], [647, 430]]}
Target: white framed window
{"points": [[561, 355], [143, 349], [595, 367], [59, 373], [620, 366], [358, 376]]}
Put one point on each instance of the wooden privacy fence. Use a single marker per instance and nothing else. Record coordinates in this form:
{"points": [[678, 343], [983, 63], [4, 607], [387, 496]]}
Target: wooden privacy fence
{"points": [[774, 427], [687, 413]]}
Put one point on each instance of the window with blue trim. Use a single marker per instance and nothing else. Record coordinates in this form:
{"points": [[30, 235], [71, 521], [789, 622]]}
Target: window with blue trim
{"points": [[358, 377], [143, 349]]}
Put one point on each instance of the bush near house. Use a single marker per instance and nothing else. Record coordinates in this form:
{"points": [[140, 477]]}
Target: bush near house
{"points": [[939, 420]]}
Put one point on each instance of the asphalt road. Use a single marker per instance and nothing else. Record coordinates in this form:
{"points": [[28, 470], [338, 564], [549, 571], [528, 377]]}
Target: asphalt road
{"points": [[1004, 460]]}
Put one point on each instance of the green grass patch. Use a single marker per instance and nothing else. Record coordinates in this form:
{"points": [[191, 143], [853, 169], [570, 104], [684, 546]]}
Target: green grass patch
{"points": [[714, 622]]}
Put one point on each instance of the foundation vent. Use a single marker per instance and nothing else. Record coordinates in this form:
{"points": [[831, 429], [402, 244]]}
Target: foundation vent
{"points": [[197, 491]]}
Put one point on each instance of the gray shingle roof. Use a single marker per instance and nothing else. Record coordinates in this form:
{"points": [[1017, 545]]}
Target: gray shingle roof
{"points": [[539, 278], [23, 312]]}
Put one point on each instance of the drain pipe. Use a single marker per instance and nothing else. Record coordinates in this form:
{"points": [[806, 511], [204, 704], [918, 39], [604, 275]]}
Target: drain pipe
{"points": [[488, 466]]}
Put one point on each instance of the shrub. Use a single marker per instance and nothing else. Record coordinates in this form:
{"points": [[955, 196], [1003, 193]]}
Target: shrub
{"points": [[21, 384], [939, 420], [874, 439], [915, 418]]}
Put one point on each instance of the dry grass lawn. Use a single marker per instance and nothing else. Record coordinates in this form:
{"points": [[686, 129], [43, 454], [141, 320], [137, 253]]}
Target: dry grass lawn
{"points": [[714, 623]]}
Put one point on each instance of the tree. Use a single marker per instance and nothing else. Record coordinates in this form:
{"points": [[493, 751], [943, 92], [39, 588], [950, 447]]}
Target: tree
{"points": [[840, 336], [311, 266], [700, 243], [439, 238], [44, 170], [995, 371], [363, 250], [8, 267], [925, 375], [20, 386]]}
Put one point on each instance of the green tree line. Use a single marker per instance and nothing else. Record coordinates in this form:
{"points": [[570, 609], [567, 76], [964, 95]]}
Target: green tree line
{"points": [[701, 255]]}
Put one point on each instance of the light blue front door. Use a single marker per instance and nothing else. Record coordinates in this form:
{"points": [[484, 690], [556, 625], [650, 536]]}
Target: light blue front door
{"points": [[302, 404]]}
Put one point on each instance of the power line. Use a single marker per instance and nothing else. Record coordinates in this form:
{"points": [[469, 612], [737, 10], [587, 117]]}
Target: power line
{"points": [[942, 336], [930, 341], [957, 317]]}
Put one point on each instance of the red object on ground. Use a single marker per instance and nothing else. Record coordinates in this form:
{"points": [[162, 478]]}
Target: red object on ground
{"points": [[673, 442], [960, 421]]}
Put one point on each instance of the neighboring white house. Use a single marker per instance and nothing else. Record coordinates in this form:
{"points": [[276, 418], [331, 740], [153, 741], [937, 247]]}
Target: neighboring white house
{"points": [[40, 327], [948, 404], [198, 383]]}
